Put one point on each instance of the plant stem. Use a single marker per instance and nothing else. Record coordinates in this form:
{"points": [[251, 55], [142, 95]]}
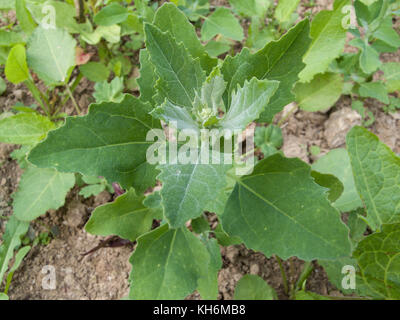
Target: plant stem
{"points": [[284, 278], [73, 100], [38, 95], [305, 273], [81, 11], [73, 87], [283, 119]]}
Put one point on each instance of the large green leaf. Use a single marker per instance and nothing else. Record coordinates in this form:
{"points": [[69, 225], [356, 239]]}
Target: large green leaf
{"points": [[379, 262], [40, 190], [328, 40], [252, 287], [187, 190], [169, 18], [51, 54], [208, 283], [110, 141], [248, 102], [179, 74], [111, 14], [24, 128], [15, 229], [223, 22], [376, 172], [279, 209], [148, 77], [167, 264], [16, 68], [126, 217], [337, 163], [319, 94], [279, 60]]}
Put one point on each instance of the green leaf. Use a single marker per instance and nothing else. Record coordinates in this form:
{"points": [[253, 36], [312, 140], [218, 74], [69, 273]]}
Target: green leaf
{"points": [[64, 14], [111, 14], [285, 9], [109, 91], [10, 38], [268, 139], [279, 60], [208, 284], [148, 77], [248, 102], [379, 262], [392, 76], [24, 17], [337, 163], [328, 40], [321, 93], [40, 190], [95, 71], [224, 239], [252, 287], [279, 209], [251, 8], [369, 57], [308, 295], [3, 296], [24, 128], [92, 190], [216, 48], [51, 54], [179, 74], [374, 90], [223, 22], [3, 86], [110, 141], [15, 229], [200, 224], [16, 68], [387, 34], [376, 172], [167, 264], [126, 217], [110, 33], [186, 190], [169, 112], [330, 182], [19, 257], [169, 18]]}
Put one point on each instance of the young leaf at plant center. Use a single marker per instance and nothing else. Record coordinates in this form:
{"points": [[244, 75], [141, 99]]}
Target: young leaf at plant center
{"points": [[337, 163], [109, 91], [111, 34], [279, 60], [95, 71], [223, 22], [169, 112], [280, 195], [186, 190], [111, 14], [126, 217], [248, 102], [285, 9], [224, 239], [174, 260], [110, 141], [15, 229], [40, 190], [369, 57], [379, 262], [179, 74], [252, 287], [51, 54], [268, 139], [16, 69], [24, 128], [392, 76], [328, 40], [376, 171], [92, 190], [208, 284], [169, 18], [200, 224], [321, 93]]}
